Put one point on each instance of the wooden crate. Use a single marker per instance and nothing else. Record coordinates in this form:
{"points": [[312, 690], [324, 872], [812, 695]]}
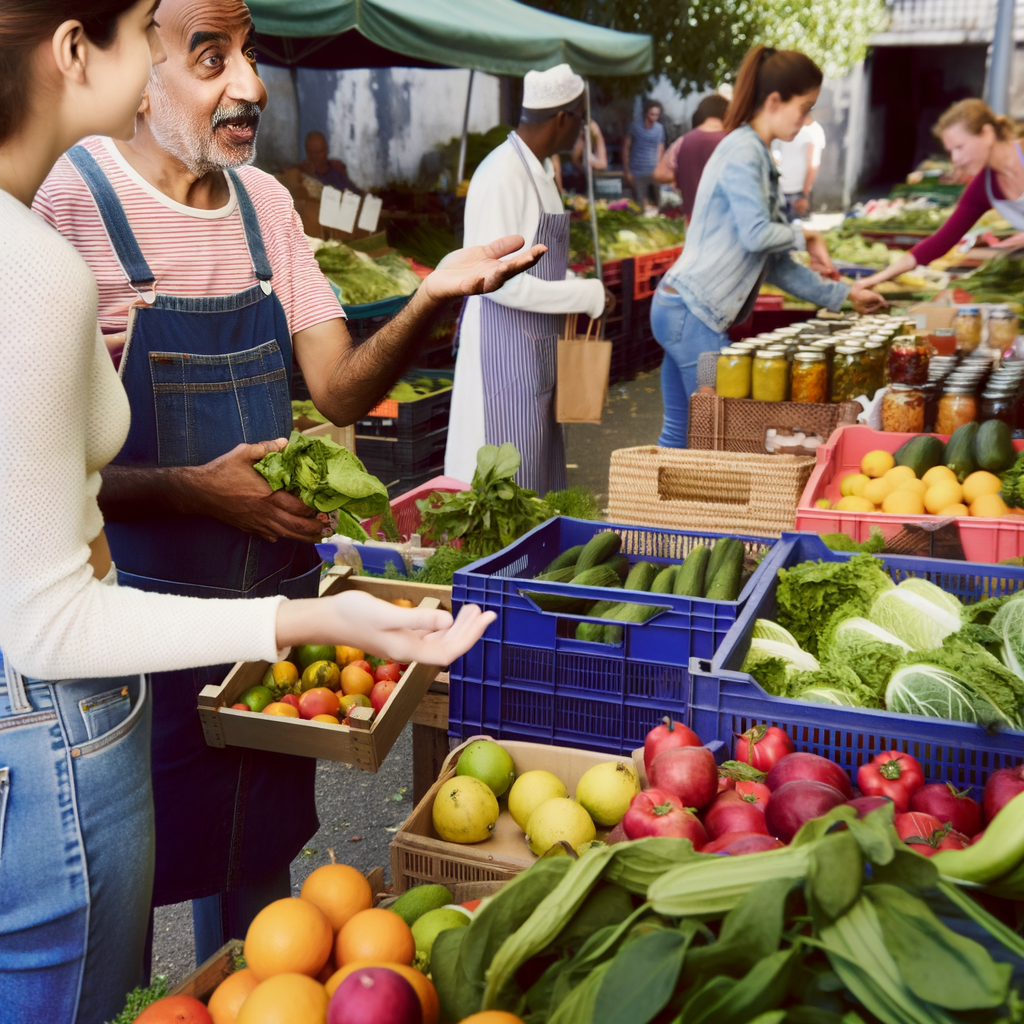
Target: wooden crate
{"points": [[419, 855], [200, 984], [345, 436], [366, 742]]}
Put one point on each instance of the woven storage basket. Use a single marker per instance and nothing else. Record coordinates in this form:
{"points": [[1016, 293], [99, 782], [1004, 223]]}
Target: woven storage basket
{"points": [[739, 424], [684, 489]]}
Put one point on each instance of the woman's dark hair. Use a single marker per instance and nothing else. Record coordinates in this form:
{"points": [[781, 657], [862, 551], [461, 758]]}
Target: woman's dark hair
{"points": [[714, 105], [764, 71], [27, 24]]}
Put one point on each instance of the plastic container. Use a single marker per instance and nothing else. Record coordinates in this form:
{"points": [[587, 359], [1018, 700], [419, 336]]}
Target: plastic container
{"points": [[726, 702], [531, 679], [982, 539], [649, 269], [409, 419]]}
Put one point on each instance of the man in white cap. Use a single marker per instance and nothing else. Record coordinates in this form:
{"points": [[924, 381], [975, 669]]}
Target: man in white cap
{"points": [[505, 373]]}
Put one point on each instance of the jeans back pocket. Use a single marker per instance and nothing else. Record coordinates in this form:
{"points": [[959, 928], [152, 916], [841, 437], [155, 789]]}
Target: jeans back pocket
{"points": [[105, 711]]}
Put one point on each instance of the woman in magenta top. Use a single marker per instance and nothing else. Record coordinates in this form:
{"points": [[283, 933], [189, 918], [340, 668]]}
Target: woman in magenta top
{"points": [[983, 145]]}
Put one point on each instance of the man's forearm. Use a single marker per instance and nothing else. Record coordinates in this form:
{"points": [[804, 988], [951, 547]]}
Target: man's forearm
{"points": [[140, 492]]}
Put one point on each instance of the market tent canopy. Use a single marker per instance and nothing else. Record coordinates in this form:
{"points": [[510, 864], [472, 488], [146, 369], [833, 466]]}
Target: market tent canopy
{"points": [[498, 36]]}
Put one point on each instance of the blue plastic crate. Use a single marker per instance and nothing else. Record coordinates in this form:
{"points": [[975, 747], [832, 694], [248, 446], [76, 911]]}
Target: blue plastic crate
{"points": [[726, 702], [531, 679]]}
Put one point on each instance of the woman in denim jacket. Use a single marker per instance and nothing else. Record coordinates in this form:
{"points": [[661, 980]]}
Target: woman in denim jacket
{"points": [[738, 237]]}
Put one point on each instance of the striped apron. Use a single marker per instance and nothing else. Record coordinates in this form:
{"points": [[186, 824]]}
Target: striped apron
{"points": [[519, 355]]}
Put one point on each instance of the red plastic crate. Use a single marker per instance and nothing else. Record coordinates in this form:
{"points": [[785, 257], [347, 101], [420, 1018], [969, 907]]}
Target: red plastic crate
{"points": [[650, 268], [983, 539], [403, 508]]}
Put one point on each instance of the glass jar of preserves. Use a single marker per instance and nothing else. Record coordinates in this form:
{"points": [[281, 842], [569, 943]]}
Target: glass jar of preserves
{"points": [[732, 374], [875, 351], [908, 360], [967, 325], [943, 341], [810, 377], [903, 409], [851, 373], [957, 406], [999, 404], [769, 380], [1003, 328]]}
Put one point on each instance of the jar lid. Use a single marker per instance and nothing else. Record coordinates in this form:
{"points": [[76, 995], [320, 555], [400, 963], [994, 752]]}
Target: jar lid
{"points": [[944, 332], [803, 356], [905, 387], [999, 393], [1001, 313], [731, 350], [849, 350], [957, 389], [970, 310], [767, 353], [871, 345]]}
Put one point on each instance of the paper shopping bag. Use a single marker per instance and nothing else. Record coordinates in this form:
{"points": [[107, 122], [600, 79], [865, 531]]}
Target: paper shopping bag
{"points": [[583, 364]]}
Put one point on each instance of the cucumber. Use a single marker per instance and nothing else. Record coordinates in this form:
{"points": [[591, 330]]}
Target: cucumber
{"points": [[960, 451], [664, 582], [599, 576], [620, 563], [559, 575], [626, 612], [557, 603], [594, 631], [598, 549], [641, 576], [993, 446], [569, 557], [720, 548], [726, 584], [690, 578]]}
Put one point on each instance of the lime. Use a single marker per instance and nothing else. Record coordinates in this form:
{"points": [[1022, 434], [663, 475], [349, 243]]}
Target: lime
{"points": [[321, 673], [427, 928], [306, 654], [415, 902], [257, 697], [486, 761]]}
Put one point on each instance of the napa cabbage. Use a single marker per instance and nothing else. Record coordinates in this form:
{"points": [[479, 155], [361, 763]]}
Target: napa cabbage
{"points": [[1008, 625], [765, 629], [871, 651], [773, 662], [829, 695], [935, 692], [919, 613]]}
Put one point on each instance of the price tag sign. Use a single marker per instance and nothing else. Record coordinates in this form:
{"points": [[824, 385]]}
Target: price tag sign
{"points": [[370, 216]]}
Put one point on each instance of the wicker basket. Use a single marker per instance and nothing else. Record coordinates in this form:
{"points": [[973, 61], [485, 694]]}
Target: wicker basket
{"points": [[685, 489], [739, 424]]}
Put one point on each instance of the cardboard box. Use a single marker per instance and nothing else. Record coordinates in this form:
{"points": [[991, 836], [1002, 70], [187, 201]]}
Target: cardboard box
{"points": [[419, 855], [931, 316], [366, 742], [345, 436]]}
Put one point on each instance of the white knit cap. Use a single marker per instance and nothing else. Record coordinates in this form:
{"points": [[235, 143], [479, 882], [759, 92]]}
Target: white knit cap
{"points": [[555, 87]]}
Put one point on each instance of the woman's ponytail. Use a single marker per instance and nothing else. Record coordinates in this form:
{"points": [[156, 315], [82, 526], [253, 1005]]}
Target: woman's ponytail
{"points": [[765, 70]]}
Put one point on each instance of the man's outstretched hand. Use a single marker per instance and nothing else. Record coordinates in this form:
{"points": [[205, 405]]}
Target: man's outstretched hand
{"points": [[480, 269]]}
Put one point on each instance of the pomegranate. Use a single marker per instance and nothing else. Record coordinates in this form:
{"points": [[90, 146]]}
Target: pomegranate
{"points": [[763, 747], [688, 773], [374, 995], [657, 813], [665, 737], [736, 843], [1001, 788], [797, 802], [733, 814], [811, 767], [947, 803]]}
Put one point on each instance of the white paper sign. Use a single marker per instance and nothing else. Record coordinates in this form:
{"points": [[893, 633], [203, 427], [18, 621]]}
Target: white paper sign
{"points": [[371, 213], [347, 213], [330, 198]]}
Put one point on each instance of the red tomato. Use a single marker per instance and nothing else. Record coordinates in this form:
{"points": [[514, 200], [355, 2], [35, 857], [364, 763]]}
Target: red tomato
{"points": [[290, 698], [389, 671], [318, 701], [657, 813], [892, 774], [763, 747], [1002, 786], [949, 804], [754, 793], [380, 693], [364, 665], [241, 707], [733, 814], [725, 784], [665, 736]]}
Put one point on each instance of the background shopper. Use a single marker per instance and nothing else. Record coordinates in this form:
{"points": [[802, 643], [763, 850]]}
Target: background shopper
{"points": [[642, 150]]}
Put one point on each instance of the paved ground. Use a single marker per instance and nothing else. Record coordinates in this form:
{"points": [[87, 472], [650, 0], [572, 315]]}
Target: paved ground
{"points": [[359, 811]]}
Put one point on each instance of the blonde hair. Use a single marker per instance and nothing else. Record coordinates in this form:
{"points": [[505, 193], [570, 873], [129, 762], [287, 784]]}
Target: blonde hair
{"points": [[974, 114]]}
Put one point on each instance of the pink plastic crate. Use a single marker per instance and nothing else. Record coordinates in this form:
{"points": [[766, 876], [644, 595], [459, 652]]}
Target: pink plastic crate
{"points": [[403, 508], [983, 540]]}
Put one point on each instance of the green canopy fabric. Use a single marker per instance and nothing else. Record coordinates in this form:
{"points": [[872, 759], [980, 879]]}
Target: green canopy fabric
{"points": [[498, 36]]}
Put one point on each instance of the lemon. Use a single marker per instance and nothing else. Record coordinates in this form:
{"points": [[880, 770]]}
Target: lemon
{"points": [[904, 503], [899, 474], [465, 810], [559, 820], [877, 463], [991, 505], [939, 495], [980, 483], [823, 503], [529, 791], [918, 487], [606, 791], [853, 484], [954, 510], [877, 491], [938, 474], [854, 504], [486, 761]]}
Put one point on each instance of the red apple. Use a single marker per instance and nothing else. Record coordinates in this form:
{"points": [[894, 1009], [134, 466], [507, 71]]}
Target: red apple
{"points": [[666, 736], [318, 701], [736, 843], [380, 693], [688, 773], [290, 698], [389, 671], [731, 813], [657, 813], [1001, 788], [949, 804]]}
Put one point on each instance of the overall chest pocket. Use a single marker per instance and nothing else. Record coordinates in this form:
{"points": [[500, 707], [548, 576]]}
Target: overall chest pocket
{"points": [[205, 404]]}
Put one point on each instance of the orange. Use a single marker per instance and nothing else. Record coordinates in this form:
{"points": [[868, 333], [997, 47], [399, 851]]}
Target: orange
{"points": [[343, 655], [374, 935], [285, 999], [289, 936], [281, 710], [419, 981], [331, 719], [229, 995], [339, 890], [175, 1010], [356, 680], [492, 1017]]}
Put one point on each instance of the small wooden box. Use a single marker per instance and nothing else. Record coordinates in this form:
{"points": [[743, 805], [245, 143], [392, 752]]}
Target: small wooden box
{"points": [[365, 743], [345, 436]]}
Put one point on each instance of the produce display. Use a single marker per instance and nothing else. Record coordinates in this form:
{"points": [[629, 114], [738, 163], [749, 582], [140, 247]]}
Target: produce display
{"points": [[996, 280], [623, 229], [418, 387], [846, 635], [850, 246], [976, 473], [361, 278]]}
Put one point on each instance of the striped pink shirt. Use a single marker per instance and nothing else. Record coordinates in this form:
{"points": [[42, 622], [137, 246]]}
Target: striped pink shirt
{"points": [[193, 253]]}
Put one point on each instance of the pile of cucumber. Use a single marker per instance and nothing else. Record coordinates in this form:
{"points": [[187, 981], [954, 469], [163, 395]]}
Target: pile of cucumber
{"points": [[715, 573]]}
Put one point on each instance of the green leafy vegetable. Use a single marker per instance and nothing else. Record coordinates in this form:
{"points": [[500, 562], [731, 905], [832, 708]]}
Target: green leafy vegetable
{"points": [[935, 692], [872, 652], [576, 502], [139, 998], [361, 279], [307, 409], [1008, 624], [773, 663], [765, 629], [874, 545], [921, 614]]}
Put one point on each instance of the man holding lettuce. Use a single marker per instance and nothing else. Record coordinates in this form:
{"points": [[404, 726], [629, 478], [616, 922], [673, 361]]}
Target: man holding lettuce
{"points": [[207, 281]]}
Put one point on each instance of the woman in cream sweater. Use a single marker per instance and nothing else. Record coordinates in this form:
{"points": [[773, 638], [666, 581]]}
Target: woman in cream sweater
{"points": [[76, 831]]}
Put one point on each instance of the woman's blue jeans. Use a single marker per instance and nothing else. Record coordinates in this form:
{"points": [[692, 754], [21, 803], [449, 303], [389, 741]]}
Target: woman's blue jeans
{"points": [[683, 336], [76, 846]]}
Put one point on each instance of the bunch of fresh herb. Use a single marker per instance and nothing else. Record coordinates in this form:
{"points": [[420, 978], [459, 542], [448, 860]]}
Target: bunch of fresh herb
{"points": [[139, 998], [575, 502], [438, 569], [489, 516]]}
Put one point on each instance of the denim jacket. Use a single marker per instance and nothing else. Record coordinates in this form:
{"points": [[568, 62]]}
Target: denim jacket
{"points": [[739, 238]]}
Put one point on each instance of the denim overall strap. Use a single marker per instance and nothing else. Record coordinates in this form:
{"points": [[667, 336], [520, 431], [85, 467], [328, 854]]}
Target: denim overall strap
{"points": [[253, 236], [122, 239]]}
